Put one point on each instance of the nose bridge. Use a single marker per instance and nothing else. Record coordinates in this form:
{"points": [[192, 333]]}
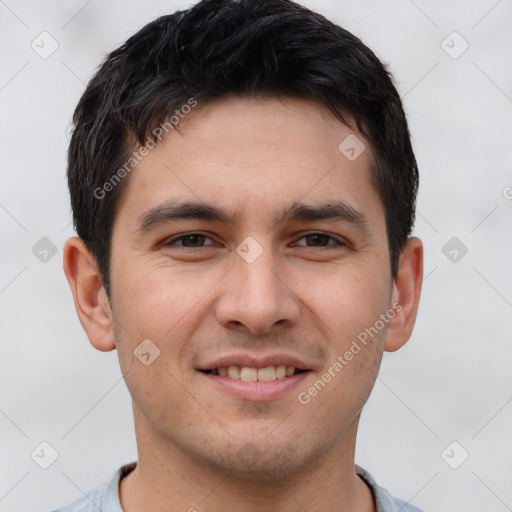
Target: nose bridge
{"points": [[259, 280], [255, 295]]}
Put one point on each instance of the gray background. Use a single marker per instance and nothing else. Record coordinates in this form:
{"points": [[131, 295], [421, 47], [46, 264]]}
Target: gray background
{"points": [[452, 382]]}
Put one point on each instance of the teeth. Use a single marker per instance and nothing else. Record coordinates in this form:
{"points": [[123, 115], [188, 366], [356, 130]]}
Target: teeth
{"points": [[248, 374], [280, 371], [268, 373], [234, 372]]}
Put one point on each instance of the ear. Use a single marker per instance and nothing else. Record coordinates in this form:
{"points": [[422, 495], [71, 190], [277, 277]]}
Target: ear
{"points": [[91, 301], [406, 295]]}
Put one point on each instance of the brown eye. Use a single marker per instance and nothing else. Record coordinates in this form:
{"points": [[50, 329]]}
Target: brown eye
{"points": [[192, 240], [319, 240]]}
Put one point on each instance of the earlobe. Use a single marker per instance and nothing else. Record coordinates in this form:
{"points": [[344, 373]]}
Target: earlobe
{"points": [[90, 298], [406, 295]]}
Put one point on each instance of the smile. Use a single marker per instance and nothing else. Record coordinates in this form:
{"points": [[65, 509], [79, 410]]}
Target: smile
{"points": [[251, 374], [263, 382]]}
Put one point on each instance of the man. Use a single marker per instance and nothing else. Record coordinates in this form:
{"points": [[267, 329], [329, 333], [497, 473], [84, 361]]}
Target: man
{"points": [[243, 188]]}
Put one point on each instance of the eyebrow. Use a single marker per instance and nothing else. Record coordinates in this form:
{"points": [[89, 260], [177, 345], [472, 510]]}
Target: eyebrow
{"points": [[197, 210]]}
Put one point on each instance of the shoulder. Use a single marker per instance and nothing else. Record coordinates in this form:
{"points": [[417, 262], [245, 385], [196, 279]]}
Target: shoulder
{"points": [[91, 502], [101, 499], [385, 502]]}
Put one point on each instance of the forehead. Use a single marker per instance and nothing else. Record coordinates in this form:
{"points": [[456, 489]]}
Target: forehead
{"points": [[256, 155]]}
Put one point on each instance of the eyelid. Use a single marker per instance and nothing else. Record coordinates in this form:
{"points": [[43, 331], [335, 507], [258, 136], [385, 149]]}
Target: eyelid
{"points": [[339, 242], [177, 238]]}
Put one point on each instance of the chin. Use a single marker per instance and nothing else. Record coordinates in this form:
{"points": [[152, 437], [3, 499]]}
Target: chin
{"points": [[263, 461]]}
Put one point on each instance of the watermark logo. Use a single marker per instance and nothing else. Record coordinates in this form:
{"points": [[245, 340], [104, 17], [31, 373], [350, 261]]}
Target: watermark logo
{"points": [[249, 454], [455, 455], [249, 249], [304, 397], [454, 45], [44, 45], [147, 352], [454, 249], [352, 147], [44, 455], [137, 156], [44, 250]]}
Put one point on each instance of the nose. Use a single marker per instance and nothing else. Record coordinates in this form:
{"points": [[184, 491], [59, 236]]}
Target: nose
{"points": [[257, 296]]}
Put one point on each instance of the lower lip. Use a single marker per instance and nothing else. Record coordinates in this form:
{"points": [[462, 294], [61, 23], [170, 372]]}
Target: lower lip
{"points": [[257, 391]]}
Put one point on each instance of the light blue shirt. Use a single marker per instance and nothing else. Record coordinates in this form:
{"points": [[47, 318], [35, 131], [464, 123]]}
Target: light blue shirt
{"points": [[106, 498]]}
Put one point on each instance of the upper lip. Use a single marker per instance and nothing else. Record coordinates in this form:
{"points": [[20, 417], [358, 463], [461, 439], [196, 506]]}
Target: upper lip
{"points": [[256, 361]]}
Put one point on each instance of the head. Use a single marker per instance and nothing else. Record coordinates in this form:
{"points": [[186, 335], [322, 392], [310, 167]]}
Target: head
{"points": [[274, 143]]}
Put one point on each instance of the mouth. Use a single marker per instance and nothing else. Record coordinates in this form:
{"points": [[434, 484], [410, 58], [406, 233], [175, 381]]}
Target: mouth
{"points": [[253, 374], [251, 377]]}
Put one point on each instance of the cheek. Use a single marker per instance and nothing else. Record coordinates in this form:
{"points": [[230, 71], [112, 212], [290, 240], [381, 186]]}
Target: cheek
{"points": [[155, 299], [349, 304], [163, 303], [346, 300], [343, 386]]}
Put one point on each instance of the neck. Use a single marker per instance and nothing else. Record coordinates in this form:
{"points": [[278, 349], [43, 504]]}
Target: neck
{"points": [[168, 479]]}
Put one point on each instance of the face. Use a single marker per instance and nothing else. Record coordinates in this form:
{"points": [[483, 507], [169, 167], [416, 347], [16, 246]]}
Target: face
{"points": [[252, 253]]}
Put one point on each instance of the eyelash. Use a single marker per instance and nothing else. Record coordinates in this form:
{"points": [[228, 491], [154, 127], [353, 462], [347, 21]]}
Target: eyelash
{"points": [[313, 233]]}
